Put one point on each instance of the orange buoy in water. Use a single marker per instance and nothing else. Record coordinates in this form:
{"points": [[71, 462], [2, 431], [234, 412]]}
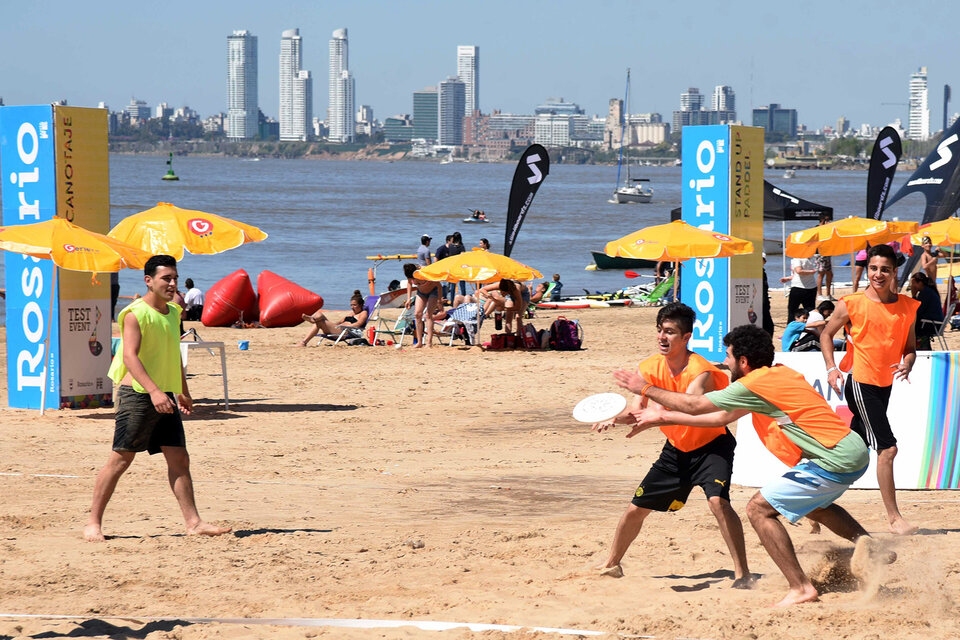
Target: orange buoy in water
{"points": [[372, 280]]}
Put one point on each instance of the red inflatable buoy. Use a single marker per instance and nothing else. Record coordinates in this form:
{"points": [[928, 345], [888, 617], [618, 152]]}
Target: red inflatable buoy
{"points": [[228, 300], [283, 303]]}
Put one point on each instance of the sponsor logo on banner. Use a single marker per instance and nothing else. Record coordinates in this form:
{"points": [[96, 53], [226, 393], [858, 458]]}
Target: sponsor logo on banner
{"points": [[26, 159], [706, 204]]}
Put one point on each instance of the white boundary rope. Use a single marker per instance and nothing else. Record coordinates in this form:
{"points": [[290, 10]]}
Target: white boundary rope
{"points": [[361, 623]]}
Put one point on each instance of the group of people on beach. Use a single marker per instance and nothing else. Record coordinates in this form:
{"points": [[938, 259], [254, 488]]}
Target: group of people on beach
{"points": [[692, 402]]}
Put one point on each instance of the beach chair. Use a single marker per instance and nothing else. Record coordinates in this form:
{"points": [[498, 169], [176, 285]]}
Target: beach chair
{"points": [[655, 297], [468, 316], [937, 328], [403, 325], [372, 305]]}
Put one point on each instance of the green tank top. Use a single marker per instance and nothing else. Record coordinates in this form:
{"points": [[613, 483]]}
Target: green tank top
{"points": [[159, 346]]}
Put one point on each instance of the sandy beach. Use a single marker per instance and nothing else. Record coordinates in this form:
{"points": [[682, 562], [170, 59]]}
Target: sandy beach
{"points": [[447, 484]]}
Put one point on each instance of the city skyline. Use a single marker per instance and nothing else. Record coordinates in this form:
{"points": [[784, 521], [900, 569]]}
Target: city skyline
{"points": [[837, 67]]}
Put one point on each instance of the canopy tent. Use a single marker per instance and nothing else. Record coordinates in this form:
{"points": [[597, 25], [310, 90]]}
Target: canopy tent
{"points": [[783, 206]]}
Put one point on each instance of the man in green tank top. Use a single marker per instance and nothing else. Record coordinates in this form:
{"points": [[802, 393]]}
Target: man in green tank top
{"points": [[150, 385]]}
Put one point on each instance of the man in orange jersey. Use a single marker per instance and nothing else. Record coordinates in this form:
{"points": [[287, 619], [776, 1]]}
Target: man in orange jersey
{"points": [[794, 422], [882, 330], [690, 457]]}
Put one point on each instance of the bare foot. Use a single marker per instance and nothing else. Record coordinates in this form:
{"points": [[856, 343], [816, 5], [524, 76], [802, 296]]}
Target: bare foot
{"points": [[805, 593], [814, 526], [92, 533], [746, 582], [299, 344], [616, 571], [206, 529], [901, 527]]}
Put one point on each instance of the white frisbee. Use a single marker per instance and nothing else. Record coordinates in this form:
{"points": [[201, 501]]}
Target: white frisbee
{"points": [[599, 407]]}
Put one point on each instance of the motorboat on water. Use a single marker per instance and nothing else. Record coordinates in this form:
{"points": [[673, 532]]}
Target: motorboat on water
{"points": [[476, 220], [789, 173]]}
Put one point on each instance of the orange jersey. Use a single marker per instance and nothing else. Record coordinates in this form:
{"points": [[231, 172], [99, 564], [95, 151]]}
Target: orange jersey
{"points": [[656, 370], [879, 334], [789, 392]]}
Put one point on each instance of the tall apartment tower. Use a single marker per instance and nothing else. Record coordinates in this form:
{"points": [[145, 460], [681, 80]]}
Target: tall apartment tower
{"points": [[724, 98], [426, 112], [691, 100], [468, 70], [242, 108], [919, 123], [451, 98], [341, 109], [296, 90]]}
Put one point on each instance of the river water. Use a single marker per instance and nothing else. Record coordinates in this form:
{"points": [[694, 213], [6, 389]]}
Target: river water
{"points": [[323, 217]]}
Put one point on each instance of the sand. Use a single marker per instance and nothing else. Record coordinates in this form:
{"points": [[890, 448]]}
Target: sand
{"points": [[444, 485]]}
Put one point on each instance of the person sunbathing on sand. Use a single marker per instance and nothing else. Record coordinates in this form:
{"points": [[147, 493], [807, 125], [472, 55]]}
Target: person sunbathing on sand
{"points": [[355, 322], [795, 423]]}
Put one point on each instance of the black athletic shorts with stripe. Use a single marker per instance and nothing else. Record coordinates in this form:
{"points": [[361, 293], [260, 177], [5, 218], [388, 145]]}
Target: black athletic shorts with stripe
{"points": [[667, 485], [868, 404]]}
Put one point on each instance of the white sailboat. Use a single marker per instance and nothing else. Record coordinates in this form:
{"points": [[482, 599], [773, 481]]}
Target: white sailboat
{"points": [[633, 190]]}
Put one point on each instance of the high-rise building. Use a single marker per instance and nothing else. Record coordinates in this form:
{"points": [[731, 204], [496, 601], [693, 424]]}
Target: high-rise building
{"points": [[843, 125], [724, 102], [468, 70], [451, 98], [341, 109], [296, 89], [776, 119], [242, 107], [426, 113], [919, 122], [724, 98], [691, 100], [137, 110]]}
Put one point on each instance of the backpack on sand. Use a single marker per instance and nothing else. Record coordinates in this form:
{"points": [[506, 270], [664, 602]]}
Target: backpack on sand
{"points": [[566, 335]]}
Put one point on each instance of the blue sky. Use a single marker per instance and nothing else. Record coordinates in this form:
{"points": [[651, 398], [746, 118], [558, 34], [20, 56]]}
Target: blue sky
{"points": [[825, 59]]}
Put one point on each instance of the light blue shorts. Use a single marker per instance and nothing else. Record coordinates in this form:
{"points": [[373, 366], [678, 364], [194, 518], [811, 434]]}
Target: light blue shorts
{"points": [[805, 488]]}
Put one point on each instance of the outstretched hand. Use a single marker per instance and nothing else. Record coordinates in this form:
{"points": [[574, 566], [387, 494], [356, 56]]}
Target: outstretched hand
{"points": [[901, 371], [630, 380], [648, 418]]}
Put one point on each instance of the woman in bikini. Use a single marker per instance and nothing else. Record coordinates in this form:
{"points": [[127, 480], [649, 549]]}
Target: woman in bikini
{"points": [[427, 300], [355, 322]]}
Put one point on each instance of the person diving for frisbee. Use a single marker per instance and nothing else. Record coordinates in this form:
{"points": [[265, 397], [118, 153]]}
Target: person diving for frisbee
{"points": [[690, 456], [794, 423]]}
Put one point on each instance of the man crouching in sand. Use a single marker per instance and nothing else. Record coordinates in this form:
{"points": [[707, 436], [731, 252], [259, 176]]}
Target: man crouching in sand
{"points": [[794, 422], [148, 369]]}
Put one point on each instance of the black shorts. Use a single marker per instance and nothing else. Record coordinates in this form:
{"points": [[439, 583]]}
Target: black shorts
{"points": [[675, 473], [868, 404], [860, 263], [140, 427]]}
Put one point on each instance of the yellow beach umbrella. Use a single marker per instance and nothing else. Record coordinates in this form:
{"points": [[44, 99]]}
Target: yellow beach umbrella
{"points": [[677, 241], [942, 233], [71, 247], [847, 235], [477, 266], [169, 230]]}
